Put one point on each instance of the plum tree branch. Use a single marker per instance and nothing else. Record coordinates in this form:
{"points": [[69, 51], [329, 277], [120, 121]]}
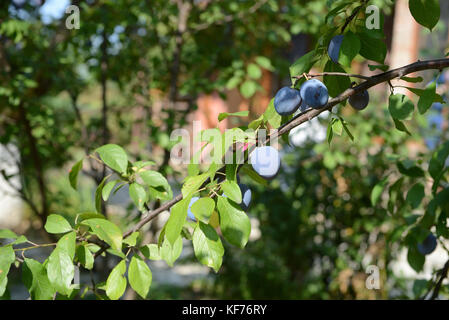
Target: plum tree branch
{"points": [[308, 115], [341, 74]]}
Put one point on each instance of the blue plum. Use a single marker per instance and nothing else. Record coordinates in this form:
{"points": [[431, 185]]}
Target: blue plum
{"points": [[190, 214], [246, 197], [437, 106], [334, 47], [266, 161], [314, 93], [360, 100], [287, 101], [428, 245], [432, 142], [442, 78], [435, 121]]}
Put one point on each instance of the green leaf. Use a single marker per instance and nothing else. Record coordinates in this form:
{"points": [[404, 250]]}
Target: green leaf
{"points": [[207, 246], [425, 12], [139, 276], [7, 234], [345, 127], [254, 71], [304, 64], [408, 168], [337, 126], [171, 252], [423, 92], [154, 179], [377, 191], [330, 132], [176, 220], [7, 257], [400, 107], [4, 293], [89, 215], [98, 195], [335, 85], [19, 240], [264, 62], [415, 195], [34, 276], [270, 115], [203, 209], [232, 190], [114, 157], [138, 195], [107, 189], [224, 115], [371, 47], [73, 174], [427, 98], [192, 184], [60, 271], [67, 244], [248, 88], [57, 224], [106, 231], [248, 170], [193, 169], [401, 126], [350, 47], [412, 79], [437, 162], [234, 223], [85, 257], [415, 259], [116, 282], [131, 239], [256, 123], [381, 67], [151, 251]]}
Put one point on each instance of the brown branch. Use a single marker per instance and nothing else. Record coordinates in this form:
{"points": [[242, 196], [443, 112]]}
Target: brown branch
{"points": [[341, 74], [442, 275], [304, 117]]}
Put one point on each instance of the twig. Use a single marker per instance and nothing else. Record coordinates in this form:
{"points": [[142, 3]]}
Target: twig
{"points": [[300, 119], [342, 74]]}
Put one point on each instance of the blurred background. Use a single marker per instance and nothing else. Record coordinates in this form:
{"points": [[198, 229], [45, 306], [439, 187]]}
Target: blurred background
{"points": [[134, 71]]}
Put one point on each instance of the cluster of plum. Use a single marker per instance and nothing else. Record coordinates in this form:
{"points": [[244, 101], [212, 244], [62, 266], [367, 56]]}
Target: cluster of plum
{"points": [[266, 160]]}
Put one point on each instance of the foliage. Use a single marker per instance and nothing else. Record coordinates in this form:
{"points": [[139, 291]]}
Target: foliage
{"points": [[189, 49]]}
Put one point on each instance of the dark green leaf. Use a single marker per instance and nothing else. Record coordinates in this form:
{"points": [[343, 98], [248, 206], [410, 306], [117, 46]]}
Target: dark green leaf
{"points": [[415, 195], [73, 175], [425, 12], [400, 107]]}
